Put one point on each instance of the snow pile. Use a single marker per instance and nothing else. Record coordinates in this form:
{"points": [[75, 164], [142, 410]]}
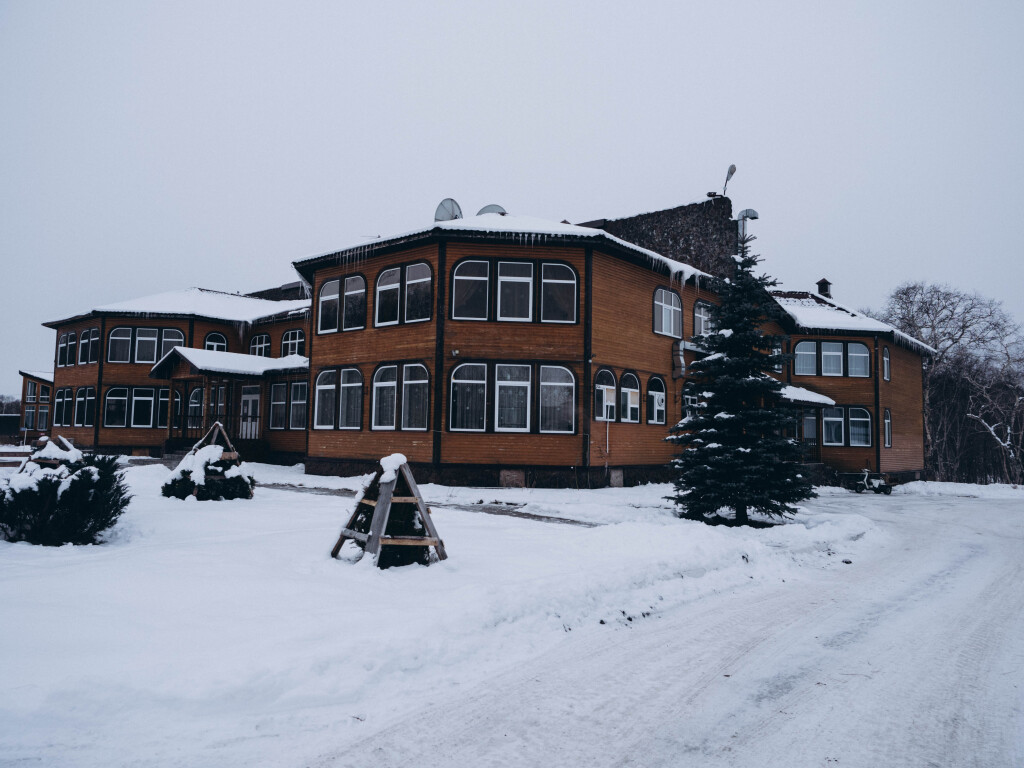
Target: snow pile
{"points": [[235, 362], [967, 490], [51, 451], [391, 464]]}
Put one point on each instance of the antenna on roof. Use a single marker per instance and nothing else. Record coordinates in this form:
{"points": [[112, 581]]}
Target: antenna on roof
{"points": [[447, 210], [728, 175], [492, 208]]}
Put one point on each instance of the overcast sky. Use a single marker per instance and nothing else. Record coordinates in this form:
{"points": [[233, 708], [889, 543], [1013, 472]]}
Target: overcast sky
{"points": [[154, 146]]}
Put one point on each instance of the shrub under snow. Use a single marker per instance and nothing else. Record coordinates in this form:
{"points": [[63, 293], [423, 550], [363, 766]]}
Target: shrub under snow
{"points": [[206, 475]]}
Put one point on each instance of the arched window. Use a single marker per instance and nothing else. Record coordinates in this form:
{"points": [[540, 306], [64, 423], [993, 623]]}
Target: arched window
{"points": [[115, 410], [655, 400], [515, 291], [72, 347], [62, 350], [702, 319], [80, 407], [385, 304], [858, 360], [470, 290], [604, 396], [805, 359], [195, 408], [293, 342], [327, 316], [172, 338], [557, 399], [417, 293], [355, 303], [629, 398], [146, 343], [468, 406], [58, 407], [860, 427], [557, 294], [324, 410], [668, 313], [85, 406], [415, 397], [888, 429], [512, 398], [886, 370], [89, 346], [119, 345], [385, 392], [351, 411], [260, 345], [215, 342]]}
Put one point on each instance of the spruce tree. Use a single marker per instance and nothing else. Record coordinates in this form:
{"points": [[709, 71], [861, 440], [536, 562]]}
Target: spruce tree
{"points": [[733, 450]]}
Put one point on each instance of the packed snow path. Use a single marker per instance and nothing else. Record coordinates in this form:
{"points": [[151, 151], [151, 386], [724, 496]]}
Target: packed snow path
{"points": [[913, 657]]}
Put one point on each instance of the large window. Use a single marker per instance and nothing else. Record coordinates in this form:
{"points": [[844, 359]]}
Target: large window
{"points": [[89, 346], [832, 426], [327, 317], [469, 398], [142, 407], [860, 427], [297, 408], [146, 340], [260, 345], [415, 397], [858, 360], [417, 293], [831, 358], [119, 345], [629, 398], [385, 310], [668, 313], [515, 291], [604, 396], [30, 391], [293, 342], [385, 392], [68, 415], [58, 407], [656, 400], [512, 399], [215, 342], [72, 347], [279, 404], [557, 294], [44, 393], [351, 411], [557, 399], [355, 303], [115, 410], [805, 359], [62, 350], [44, 418], [470, 290], [323, 411], [85, 399], [172, 338], [886, 370], [702, 319]]}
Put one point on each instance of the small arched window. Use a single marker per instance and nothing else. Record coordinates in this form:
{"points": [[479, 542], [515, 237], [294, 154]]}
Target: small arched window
{"points": [[327, 315], [215, 342], [604, 396], [656, 400], [886, 370], [415, 397], [805, 359], [293, 342], [557, 399], [260, 345], [385, 394], [860, 427], [668, 313], [119, 345], [385, 304], [470, 281], [629, 398], [172, 338], [557, 294], [888, 429], [324, 404], [858, 360], [115, 409], [355, 303], [468, 406]]}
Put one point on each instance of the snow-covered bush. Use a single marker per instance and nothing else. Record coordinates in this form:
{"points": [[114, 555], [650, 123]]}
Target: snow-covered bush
{"points": [[206, 475], [73, 502]]}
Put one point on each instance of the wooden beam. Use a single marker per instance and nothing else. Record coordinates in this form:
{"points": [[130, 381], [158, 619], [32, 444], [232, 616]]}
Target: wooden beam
{"points": [[380, 518], [409, 541], [348, 533]]}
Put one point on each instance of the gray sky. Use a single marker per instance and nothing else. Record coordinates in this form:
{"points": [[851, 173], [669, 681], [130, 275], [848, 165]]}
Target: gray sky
{"points": [[153, 146]]}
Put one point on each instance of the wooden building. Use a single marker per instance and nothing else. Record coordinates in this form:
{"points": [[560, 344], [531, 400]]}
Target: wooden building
{"points": [[36, 387]]}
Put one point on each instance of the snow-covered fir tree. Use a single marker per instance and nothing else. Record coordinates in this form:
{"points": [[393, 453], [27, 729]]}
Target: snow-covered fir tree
{"points": [[733, 450]]}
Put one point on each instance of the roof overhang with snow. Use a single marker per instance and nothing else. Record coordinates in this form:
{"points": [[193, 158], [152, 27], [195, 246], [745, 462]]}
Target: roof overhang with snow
{"points": [[204, 361], [46, 376]]}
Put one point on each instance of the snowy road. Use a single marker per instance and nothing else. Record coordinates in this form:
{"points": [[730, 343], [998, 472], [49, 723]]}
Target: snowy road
{"points": [[912, 657]]}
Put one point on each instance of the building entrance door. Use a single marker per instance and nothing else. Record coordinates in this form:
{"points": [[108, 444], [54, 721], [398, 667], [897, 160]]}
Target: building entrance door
{"points": [[249, 423]]}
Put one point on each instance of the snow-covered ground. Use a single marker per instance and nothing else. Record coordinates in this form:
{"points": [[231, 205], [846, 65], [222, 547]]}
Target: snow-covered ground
{"points": [[221, 633]]}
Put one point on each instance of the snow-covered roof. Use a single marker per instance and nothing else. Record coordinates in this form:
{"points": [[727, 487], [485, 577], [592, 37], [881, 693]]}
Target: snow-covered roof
{"points": [[200, 302], [815, 312], [801, 395], [521, 230], [208, 361], [42, 375]]}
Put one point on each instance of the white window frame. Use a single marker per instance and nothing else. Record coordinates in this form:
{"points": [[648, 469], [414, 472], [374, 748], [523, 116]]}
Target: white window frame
{"points": [[84, 346], [147, 335], [831, 354], [451, 396], [571, 384], [415, 281], [865, 418], [80, 394], [702, 311], [278, 397], [887, 423], [631, 396], [378, 289], [840, 419], [120, 331], [380, 385], [866, 355], [295, 399], [558, 281], [424, 382], [106, 399], [259, 345], [211, 343], [668, 310], [608, 397], [43, 418], [651, 396], [72, 347], [500, 385], [293, 342], [30, 419], [886, 365], [318, 387], [199, 405], [167, 340], [62, 350], [354, 292], [328, 295], [516, 279], [358, 386], [798, 356], [30, 391], [138, 395], [486, 279]]}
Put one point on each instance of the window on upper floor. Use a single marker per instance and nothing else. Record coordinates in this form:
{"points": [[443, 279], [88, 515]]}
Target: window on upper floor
{"points": [[172, 338], [215, 342], [805, 359], [293, 342], [557, 294], [629, 398], [62, 350], [72, 347], [656, 400], [385, 304], [146, 342], [44, 393], [327, 313], [831, 358], [468, 404], [668, 313], [777, 354], [355, 303], [260, 345], [886, 370], [557, 399], [515, 291], [888, 428], [417, 293], [30, 391], [89, 346], [512, 398], [702, 319], [858, 360], [119, 345], [604, 396], [470, 282]]}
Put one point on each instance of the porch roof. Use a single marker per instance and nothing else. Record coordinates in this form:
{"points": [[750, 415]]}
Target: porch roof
{"points": [[805, 396], [232, 363]]}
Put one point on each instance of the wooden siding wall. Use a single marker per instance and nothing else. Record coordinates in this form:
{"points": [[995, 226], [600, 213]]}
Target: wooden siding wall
{"points": [[903, 397]]}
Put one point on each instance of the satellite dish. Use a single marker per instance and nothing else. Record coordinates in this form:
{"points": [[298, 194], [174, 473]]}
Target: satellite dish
{"points": [[492, 208], [447, 210]]}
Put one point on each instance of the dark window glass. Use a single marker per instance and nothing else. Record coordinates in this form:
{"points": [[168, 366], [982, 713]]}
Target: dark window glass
{"points": [[558, 294], [515, 291], [325, 397], [417, 293], [115, 413], [351, 399], [386, 311], [142, 407], [172, 338], [470, 290], [216, 342], [415, 397], [297, 416], [327, 319], [469, 398], [278, 404], [384, 395], [146, 345], [557, 399], [72, 347], [355, 303]]}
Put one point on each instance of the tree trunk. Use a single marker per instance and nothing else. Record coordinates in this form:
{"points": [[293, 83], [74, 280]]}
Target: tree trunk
{"points": [[741, 515]]}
